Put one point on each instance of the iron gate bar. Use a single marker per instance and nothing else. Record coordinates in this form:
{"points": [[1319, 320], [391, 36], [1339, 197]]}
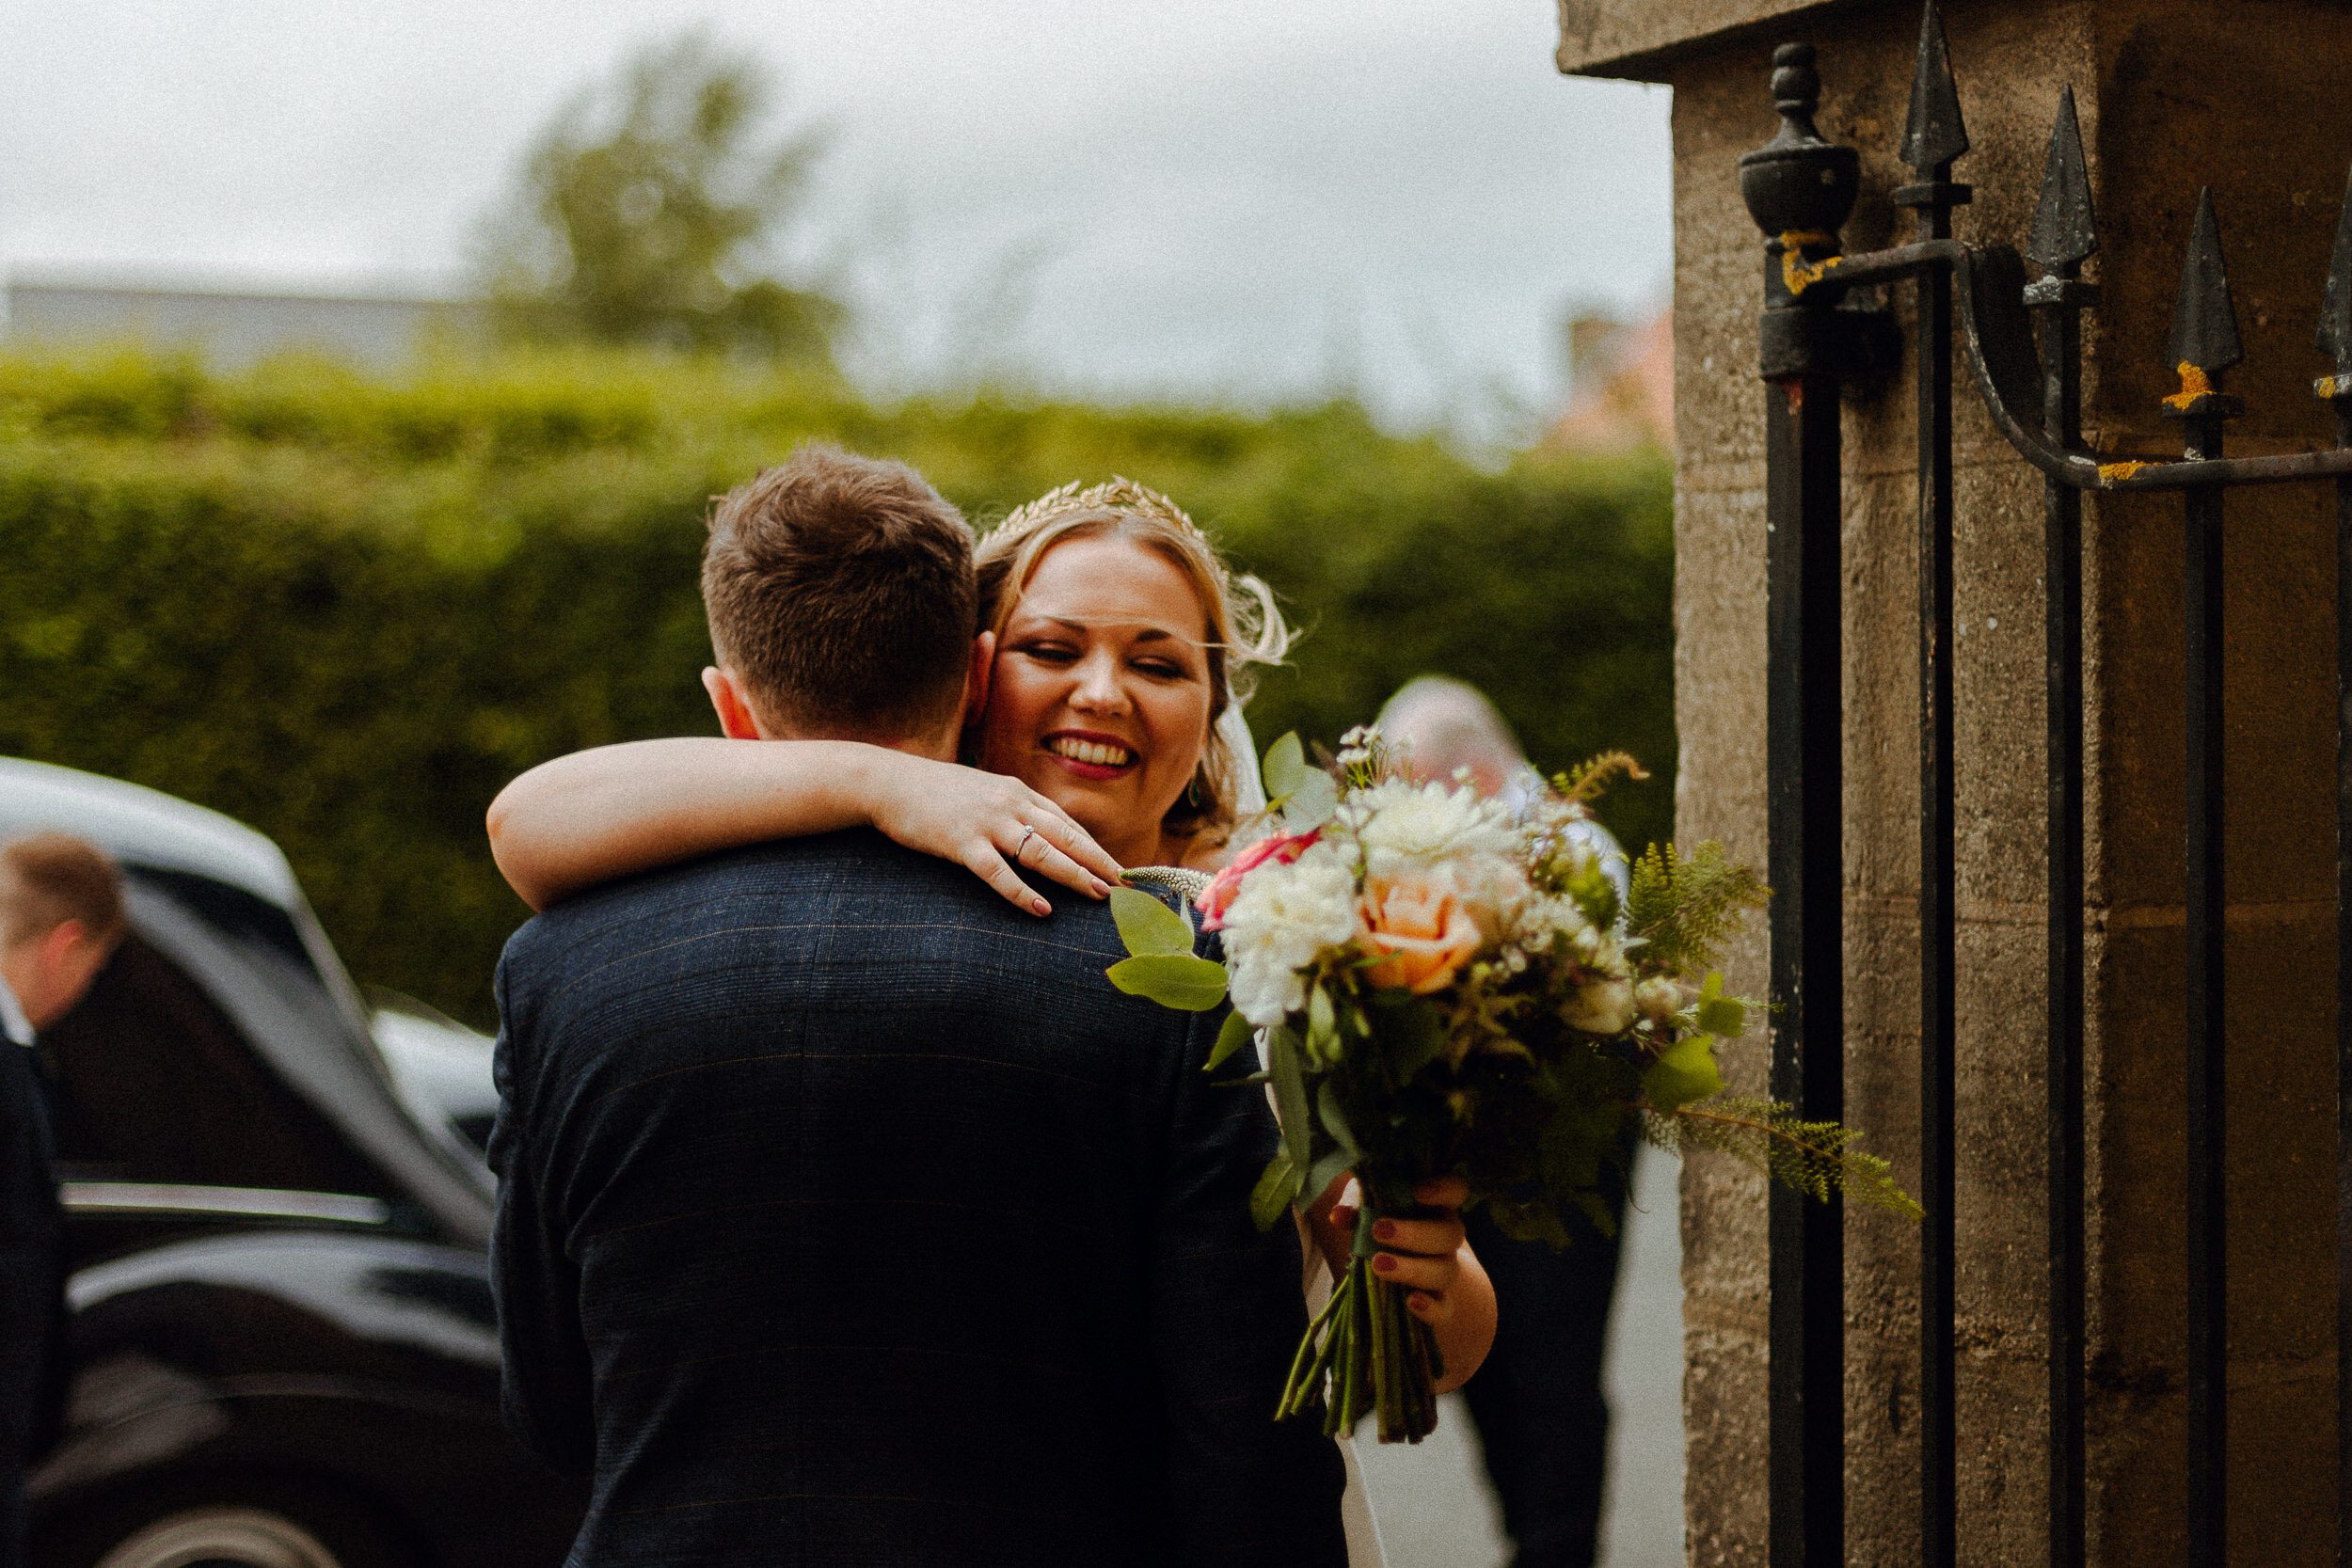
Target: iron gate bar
{"points": [[1801, 187], [2334, 339], [2064, 236], [1934, 134], [2204, 345], [2344, 928]]}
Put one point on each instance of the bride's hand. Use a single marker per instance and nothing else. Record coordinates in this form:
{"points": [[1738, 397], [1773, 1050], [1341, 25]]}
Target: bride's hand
{"points": [[1431, 1260], [988, 824], [1422, 1255]]}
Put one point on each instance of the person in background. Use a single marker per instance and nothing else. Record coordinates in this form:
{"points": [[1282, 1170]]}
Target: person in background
{"points": [[60, 916], [1540, 1413]]}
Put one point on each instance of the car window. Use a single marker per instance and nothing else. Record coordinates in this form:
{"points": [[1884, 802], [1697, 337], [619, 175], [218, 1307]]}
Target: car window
{"points": [[152, 1081], [440, 1068]]}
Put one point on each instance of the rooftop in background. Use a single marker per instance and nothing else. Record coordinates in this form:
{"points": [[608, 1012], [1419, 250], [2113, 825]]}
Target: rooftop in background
{"points": [[1621, 386], [230, 328]]}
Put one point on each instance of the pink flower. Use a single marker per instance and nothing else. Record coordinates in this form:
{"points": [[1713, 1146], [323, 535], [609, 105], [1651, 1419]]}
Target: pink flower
{"points": [[1421, 932], [1218, 895]]}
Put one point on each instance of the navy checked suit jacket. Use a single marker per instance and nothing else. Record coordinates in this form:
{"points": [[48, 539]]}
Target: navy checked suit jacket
{"points": [[848, 1216]]}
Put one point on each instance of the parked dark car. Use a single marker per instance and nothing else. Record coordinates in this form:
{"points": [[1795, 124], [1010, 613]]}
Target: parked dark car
{"points": [[282, 1352]]}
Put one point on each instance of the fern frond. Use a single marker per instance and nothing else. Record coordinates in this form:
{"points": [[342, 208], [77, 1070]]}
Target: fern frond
{"points": [[1816, 1158], [1685, 907], [1583, 783]]}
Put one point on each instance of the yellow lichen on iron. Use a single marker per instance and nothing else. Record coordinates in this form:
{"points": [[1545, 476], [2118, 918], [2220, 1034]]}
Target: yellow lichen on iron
{"points": [[2195, 384], [2111, 474], [1795, 271]]}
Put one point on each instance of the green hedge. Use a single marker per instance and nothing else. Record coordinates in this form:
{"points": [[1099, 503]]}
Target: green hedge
{"points": [[346, 611]]}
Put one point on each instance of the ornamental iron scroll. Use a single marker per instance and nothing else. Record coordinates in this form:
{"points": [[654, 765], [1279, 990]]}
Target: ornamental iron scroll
{"points": [[1820, 330]]}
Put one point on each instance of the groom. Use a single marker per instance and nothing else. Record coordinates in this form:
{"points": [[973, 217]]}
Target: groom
{"points": [[849, 1216]]}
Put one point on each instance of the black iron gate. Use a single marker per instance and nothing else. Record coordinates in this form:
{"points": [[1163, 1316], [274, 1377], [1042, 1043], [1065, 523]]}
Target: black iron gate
{"points": [[1814, 336]]}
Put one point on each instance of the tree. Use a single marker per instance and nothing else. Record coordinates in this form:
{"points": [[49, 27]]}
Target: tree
{"points": [[644, 215]]}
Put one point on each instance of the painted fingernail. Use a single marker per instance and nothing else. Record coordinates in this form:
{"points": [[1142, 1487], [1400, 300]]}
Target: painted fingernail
{"points": [[1102, 889], [1384, 1230], [1040, 906], [1383, 1263]]}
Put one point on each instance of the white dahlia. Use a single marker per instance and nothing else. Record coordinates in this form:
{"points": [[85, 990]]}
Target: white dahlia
{"points": [[1407, 827]]}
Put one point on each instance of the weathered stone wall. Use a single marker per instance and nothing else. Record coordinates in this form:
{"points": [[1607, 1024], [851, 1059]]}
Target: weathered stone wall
{"points": [[2239, 96]]}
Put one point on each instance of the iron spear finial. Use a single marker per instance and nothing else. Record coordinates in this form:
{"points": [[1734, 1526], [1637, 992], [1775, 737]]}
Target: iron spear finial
{"points": [[2335, 306], [2064, 231], [1933, 135], [2204, 321]]}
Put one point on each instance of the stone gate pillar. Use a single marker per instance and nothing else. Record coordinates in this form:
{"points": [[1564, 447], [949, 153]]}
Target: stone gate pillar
{"points": [[2249, 97]]}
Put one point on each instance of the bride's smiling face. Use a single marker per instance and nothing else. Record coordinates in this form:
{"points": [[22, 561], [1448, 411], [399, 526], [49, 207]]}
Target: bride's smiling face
{"points": [[1100, 695]]}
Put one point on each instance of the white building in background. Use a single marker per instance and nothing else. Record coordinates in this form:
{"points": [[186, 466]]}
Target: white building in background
{"points": [[232, 329]]}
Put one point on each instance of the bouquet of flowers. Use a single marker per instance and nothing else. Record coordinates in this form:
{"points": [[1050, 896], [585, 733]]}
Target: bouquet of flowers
{"points": [[1441, 985]]}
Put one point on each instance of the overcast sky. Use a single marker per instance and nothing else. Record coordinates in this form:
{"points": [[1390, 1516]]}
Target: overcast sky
{"points": [[1244, 198]]}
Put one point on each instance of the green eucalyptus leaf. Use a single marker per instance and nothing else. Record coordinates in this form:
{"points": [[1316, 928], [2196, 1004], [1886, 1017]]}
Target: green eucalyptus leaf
{"points": [[1149, 927], [1310, 805], [1274, 1192], [1335, 1122], [1187, 984], [1683, 1072], [1290, 1095], [1285, 766], [1718, 1014], [1334, 1165], [1230, 1038]]}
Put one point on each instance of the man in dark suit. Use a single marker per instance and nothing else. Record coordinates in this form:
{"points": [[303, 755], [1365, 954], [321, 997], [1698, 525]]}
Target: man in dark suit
{"points": [[60, 917], [848, 1215]]}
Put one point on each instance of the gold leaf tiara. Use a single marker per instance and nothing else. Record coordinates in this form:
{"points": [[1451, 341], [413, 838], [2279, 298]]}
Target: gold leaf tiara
{"points": [[1262, 635], [1120, 495]]}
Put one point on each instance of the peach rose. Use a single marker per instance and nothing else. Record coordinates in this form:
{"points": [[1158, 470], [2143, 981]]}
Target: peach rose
{"points": [[1421, 932], [1218, 895]]}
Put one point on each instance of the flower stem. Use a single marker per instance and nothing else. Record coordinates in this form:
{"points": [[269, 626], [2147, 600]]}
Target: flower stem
{"points": [[1366, 1354]]}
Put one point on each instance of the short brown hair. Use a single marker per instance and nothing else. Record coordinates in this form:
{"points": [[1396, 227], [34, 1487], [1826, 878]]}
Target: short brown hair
{"points": [[52, 878], [839, 590]]}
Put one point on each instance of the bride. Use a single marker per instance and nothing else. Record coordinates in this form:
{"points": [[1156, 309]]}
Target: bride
{"points": [[1107, 733]]}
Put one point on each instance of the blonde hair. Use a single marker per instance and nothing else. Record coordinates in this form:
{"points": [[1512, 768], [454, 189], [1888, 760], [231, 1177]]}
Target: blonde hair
{"points": [[1245, 627]]}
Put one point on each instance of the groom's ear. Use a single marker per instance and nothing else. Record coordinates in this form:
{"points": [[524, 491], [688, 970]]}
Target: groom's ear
{"points": [[976, 679], [735, 713]]}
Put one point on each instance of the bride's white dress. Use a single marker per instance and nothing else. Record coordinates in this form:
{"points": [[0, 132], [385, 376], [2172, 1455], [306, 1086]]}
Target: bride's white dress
{"points": [[1363, 1527]]}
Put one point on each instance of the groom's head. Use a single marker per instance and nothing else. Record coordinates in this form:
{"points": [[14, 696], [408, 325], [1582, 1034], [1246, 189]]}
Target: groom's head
{"points": [[842, 605]]}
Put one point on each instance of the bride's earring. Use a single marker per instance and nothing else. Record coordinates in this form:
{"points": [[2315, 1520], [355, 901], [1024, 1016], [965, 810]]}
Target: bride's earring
{"points": [[1192, 793]]}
